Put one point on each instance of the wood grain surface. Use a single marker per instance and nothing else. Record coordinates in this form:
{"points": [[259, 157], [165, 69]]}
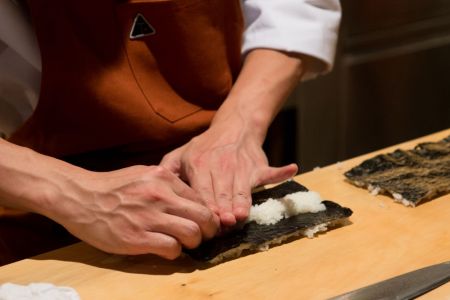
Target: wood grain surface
{"points": [[384, 239]]}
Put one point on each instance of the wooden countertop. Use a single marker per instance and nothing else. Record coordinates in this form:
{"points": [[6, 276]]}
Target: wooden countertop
{"points": [[385, 239]]}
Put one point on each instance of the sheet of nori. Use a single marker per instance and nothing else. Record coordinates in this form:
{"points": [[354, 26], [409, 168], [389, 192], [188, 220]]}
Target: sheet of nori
{"points": [[257, 235], [418, 174]]}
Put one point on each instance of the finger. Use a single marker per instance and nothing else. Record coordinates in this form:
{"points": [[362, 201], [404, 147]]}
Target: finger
{"points": [[222, 181], [179, 187], [172, 161], [207, 221], [182, 192], [269, 175], [171, 164], [185, 231], [160, 244], [242, 200], [201, 183]]}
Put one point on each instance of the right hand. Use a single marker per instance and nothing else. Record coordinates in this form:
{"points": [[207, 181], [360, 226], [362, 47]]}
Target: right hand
{"points": [[136, 210]]}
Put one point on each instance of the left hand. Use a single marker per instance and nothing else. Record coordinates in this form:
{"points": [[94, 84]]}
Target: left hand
{"points": [[223, 164]]}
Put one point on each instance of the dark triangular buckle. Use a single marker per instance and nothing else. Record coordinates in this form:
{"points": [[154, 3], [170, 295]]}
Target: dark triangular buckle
{"points": [[141, 27]]}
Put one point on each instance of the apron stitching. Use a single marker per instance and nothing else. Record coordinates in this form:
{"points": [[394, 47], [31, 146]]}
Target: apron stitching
{"points": [[124, 49], [149, 102]]}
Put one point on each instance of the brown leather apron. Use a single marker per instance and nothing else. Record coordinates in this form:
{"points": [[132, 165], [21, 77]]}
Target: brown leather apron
{"points": [[108, 100], [103, 91]]}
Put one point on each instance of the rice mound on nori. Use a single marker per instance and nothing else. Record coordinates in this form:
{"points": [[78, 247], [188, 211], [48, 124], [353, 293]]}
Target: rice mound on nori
{"points": [[410, 176], [253, 237]]}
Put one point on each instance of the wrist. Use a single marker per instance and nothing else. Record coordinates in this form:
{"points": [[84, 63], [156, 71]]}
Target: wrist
{"points": [[34, 182], [266, 80], [241, 122], [60, 184]]}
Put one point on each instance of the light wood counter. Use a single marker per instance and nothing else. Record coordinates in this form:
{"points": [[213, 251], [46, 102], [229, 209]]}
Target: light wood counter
{"points": [[385, 239]]}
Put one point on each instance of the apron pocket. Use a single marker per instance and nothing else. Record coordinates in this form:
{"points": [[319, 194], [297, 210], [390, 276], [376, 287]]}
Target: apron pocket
{"points": [[178, 53]]}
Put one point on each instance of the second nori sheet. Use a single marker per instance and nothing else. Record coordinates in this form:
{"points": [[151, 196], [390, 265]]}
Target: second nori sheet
{"points": [[418, 174]]}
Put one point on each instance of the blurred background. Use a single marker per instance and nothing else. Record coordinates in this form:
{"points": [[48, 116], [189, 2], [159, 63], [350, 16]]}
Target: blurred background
{"points": [[390, 83]]}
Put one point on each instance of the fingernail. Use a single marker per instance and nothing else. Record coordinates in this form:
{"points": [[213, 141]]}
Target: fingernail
{"points": [[227, 219], [240, 213]]}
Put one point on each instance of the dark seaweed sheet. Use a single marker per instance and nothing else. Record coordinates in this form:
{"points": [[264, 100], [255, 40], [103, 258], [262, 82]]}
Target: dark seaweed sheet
{"points": [[278, 191], [418, 174], [257, 235]]}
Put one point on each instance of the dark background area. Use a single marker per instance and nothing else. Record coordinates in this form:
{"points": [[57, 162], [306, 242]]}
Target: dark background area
{"points": [[390, 83]]}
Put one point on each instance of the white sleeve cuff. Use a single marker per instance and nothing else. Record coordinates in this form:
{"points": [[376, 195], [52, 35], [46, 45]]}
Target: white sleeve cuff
{"points": [[18, 34], [308, 27]]}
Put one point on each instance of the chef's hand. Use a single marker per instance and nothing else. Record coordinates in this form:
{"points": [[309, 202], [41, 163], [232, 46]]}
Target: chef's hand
{"points": [[223, 164], [136, 210]]}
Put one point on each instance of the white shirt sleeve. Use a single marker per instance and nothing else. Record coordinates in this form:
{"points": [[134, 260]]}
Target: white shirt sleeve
{"points": [[19, 68], [17, 33], [302, 26]]}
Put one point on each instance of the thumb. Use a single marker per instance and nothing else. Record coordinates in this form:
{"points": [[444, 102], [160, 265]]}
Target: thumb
{"points": [[172, 162], [270, 175]]}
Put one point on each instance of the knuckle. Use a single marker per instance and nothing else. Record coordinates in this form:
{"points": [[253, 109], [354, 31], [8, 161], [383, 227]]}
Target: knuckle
{"points": [[173, 250], [193, 231], [223, 196], [206, 216], [214, 208], [207, 223], [204, 193], [193, 235], [243, 195], [155, 194], [160, 172]]}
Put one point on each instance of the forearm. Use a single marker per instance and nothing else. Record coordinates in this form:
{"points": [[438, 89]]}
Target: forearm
{"points": [[31, 181], [266, 80], [136, 210]]}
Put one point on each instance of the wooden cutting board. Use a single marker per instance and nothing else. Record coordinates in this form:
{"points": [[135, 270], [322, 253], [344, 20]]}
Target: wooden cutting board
{"points": [[385, 239]]}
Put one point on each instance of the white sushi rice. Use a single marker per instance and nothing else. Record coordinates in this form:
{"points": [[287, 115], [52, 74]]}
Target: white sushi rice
{"points": [[267, 213], [273, 210], [311, 232], [374, 190], [399, 198]]}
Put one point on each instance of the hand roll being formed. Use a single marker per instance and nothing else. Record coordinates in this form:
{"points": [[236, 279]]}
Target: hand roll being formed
{"points": [[278, 226]]}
